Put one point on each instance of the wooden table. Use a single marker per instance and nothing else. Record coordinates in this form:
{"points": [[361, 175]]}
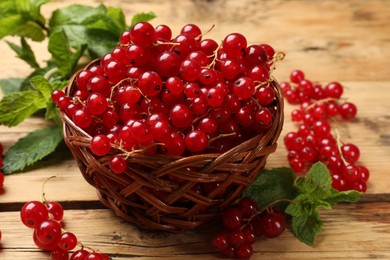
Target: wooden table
{"points": [[346, 41]]}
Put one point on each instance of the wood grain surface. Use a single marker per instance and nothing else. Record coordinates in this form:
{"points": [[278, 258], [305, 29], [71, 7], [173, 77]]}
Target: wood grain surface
{"points": [[346, 41]]}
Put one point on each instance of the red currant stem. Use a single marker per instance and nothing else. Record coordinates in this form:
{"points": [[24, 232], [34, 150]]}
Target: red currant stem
{"points": [[212, 63], [267, 207], [127, 154], [321, 101], [278, 56], [203, 34], [339, 144], [166, 43], [221, 136], [269, 80], [43, 197], [255, 100], [119, 83]]}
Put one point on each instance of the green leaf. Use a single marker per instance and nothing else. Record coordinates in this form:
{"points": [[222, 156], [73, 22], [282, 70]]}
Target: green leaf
{"points": [[59, 49], [25, 53], [142, 17], [74, 14], [343, 196], [22, 18], [317, 180], [272, 185], [17, 106], [118, 17], [307, 226], [43, 86], [31, 148], [10, 85]]}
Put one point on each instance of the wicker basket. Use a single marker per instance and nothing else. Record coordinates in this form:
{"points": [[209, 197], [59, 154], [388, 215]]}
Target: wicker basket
{"points": [[133, 195]]}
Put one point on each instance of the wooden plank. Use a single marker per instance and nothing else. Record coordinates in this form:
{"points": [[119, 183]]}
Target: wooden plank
{"points": [[350, 231], [344, 40]]}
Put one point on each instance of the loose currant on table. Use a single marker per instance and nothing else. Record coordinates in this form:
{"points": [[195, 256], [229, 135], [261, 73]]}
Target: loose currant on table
{"points": [[46, 219], [316, 138]]}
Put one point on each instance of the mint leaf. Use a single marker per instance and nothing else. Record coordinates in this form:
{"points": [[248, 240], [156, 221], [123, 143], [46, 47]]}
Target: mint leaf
{"points": [[308, 225], [62, 57], [142, 17], [43, 86], [74, 14], [315, 192], [118, 17], [31, 148], [22, 18], [25, 53], [344, 196], [17, 106], [10, 85], [272, 185]]}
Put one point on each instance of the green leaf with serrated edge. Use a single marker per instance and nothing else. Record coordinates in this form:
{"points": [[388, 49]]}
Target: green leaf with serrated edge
{"points": [[24, 52], [318, 179], [272, 185], [118, 17], [142, 17], [307, 226], [43, 86], [10, 85], [74, 15], [60, 51], [342, 196], [17, 106], [31, 148]]}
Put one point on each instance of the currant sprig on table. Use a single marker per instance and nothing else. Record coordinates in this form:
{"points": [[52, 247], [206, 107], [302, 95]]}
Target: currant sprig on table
{"points": [[321, 110], [46, 219]]}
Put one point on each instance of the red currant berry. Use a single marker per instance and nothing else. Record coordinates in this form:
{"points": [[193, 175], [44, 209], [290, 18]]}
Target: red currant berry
{"points": [[234, 45], [273, 224], [67, 241], [33, 213], [196, 141], [143, 34], [297, 76], [244, 251], [55, 209], [100, 145], [334, 90], [59, 254], [118, 164], [348, 111], [79, 255], [232, 218], [48, 232], [219, 242], [180, 116]]}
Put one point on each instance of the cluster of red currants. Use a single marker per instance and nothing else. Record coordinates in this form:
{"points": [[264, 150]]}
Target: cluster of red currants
{"points": [[243, 224], [155, 93], [314, 140], [46, 220]]}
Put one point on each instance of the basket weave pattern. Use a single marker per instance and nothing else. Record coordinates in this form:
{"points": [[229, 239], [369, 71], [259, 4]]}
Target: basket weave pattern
{"points": [[159, 192]]}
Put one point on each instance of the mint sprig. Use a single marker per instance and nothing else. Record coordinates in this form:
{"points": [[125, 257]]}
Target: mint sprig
{"points": [[308, 194], [74, 32]]}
